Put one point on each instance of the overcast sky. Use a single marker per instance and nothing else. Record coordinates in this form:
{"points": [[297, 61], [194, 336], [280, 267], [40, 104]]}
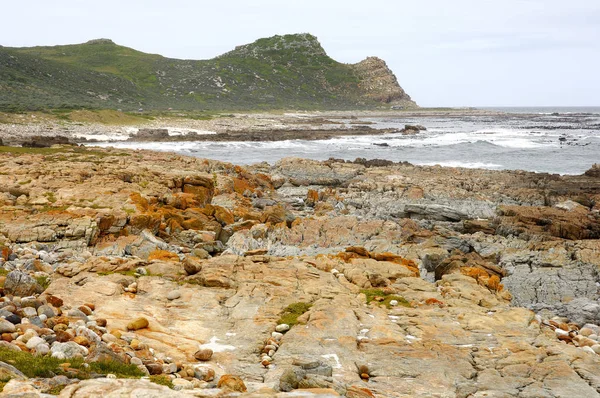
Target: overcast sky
{"points": [[444, 53]]}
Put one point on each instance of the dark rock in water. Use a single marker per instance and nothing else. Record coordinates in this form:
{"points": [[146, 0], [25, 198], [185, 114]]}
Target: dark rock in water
{"points": [[150, 135], [46, 142], [412, 129], [594, 171], [373, 162], [562, 139], [383, 144]]}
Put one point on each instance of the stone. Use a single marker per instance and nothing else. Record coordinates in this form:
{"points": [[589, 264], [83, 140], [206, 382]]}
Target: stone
{"points": [[139, 323], [6, 326], [67, 350], [203, 354], [20, 284], [231, 383], [282, 328], [173, 295], [204, 373], [8, 372]]}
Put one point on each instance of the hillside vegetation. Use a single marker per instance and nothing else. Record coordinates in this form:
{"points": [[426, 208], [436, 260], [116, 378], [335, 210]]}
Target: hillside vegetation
{"points": [[281, 72]]}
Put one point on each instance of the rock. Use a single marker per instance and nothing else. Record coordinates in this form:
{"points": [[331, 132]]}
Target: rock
{"points": [[20, 284], [35, 341], [173, 295], [231, 383], [119, 388], [8, 372], [204, 373], [182, 384], [67, 350], [139, 323], [203, 354], [6, 326], [434, 212], [282, 328], [192, 265]]}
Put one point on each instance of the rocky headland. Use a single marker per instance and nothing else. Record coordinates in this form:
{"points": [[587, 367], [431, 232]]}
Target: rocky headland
{"points": [[136, 273]]}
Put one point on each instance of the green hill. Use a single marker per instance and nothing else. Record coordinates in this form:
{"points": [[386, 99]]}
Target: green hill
{"points": [[280, 72]]}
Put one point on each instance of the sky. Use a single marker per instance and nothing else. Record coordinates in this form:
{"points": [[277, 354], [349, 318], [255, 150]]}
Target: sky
{"points": [[444, 53]]}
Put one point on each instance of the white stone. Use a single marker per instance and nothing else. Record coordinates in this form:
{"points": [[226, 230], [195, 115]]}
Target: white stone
{"points": [[34, 341], [284, 327], [393, 303]]}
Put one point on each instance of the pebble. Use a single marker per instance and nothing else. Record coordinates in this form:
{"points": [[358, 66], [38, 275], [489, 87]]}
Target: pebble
{"points": [[393, 303], [139, 323], [284, 327], [277, 336], [136, 361], [203, 354], [173, 295]]}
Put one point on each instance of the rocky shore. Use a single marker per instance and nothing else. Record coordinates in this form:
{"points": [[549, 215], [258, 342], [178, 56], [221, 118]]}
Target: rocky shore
{"points": [[19, 129], [136, 273]]}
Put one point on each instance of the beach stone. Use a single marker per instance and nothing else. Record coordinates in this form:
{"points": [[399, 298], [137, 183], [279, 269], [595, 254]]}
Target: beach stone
{"points": [[14, 319], [139, 323], [204, 373], [136, 361], [6, 326], [41, 349], [231, 383], [203, 354], [182, 384], [169, 368], [8, 371], [34, 341], [20, 284], [66, 350], [277, 336], [282, 328], [173, 295]]}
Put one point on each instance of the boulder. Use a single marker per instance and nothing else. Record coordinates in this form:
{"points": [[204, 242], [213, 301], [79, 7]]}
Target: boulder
{"points": [[21, 284]]}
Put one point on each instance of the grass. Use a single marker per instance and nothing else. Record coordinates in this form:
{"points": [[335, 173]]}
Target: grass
{"points": [[43, 281], [163, 380], [291, 313], [46, 366], [379, 296]]}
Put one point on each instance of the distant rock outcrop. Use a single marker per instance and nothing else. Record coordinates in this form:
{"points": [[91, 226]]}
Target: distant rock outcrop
{"points": [[379, 83]]}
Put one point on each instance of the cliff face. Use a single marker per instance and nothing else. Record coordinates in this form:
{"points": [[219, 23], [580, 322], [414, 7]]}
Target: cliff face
{"points": [[379, 83]]}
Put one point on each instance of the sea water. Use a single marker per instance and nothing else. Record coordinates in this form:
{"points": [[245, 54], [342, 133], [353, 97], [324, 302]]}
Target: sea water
{"points": [[552, 140]]}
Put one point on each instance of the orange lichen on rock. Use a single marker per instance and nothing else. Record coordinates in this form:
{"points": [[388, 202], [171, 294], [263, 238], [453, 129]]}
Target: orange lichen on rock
{"points": [[163, 255], [483, 278], [140, 203], [434, 301], [360, 252], [312, 197]]}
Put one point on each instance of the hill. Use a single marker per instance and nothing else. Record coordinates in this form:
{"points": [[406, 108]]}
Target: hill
{"points": [[280, 72]]}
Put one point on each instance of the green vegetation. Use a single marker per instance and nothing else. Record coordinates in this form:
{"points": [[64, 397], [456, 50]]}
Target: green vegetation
{"points": [[291, 313], [163, 380], [379, 296], [43, 281], [280, 72], [46, 366]]}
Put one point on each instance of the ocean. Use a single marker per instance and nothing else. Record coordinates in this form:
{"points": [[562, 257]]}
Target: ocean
{"points": [[562, 140]]}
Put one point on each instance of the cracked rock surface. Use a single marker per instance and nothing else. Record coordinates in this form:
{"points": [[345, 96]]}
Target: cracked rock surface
{"points": [[300, 279]]}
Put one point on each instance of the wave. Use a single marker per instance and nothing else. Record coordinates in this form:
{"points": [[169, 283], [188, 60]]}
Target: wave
{"points": [[466, 165]]}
